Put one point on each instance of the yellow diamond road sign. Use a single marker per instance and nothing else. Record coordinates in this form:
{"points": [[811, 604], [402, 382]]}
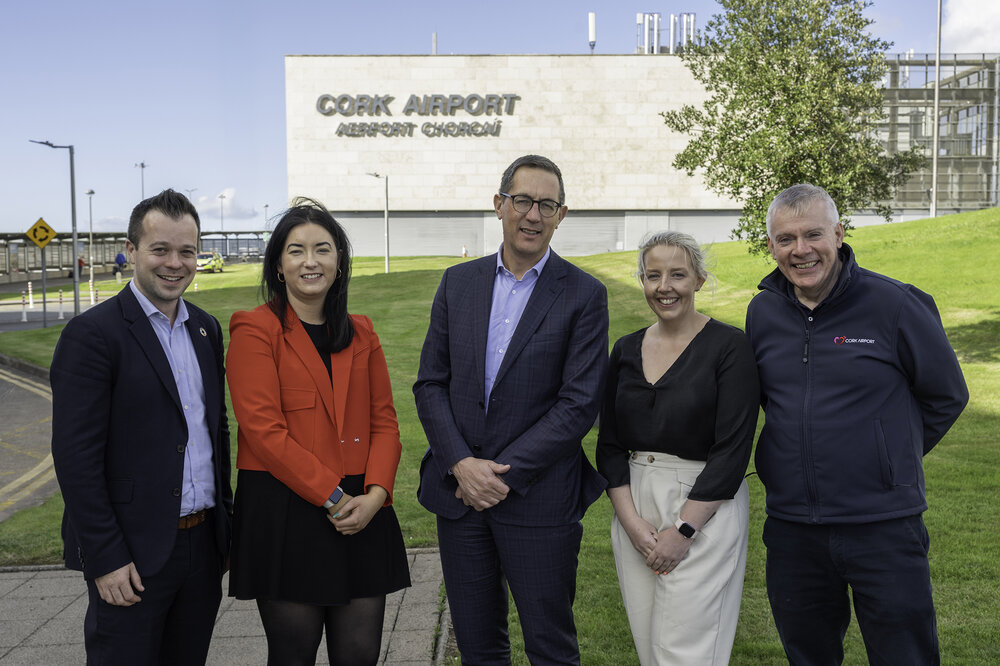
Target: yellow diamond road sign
{"points": [[40, 233]]}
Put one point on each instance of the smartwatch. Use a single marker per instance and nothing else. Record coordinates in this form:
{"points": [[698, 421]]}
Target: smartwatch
{"points": [[335, 497], [687, 531]]}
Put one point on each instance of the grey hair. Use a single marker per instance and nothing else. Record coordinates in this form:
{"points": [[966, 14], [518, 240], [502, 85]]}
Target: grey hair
{"points": [[798, 199], [684, 241]]}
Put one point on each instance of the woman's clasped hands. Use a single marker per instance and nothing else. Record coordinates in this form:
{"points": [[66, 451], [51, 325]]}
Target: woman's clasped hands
{"points": [[353, 512]]}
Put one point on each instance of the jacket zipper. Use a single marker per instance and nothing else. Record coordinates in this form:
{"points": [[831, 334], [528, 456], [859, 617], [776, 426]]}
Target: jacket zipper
{"points": [[808, 470]]}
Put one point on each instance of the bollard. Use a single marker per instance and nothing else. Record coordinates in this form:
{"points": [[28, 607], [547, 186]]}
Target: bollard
{"points": [[24, 307], [31, 296], [92, 297], [61, 316]]}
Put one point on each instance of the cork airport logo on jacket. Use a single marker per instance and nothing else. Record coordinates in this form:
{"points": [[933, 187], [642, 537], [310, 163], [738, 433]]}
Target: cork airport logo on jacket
{"points": [[844, 340]]}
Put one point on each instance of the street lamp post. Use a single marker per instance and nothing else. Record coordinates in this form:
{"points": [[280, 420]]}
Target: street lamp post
{"points": [[265, 216], [222, 223], [72, 197], [384, 177], [90, 210], [142, 178], [937, 117]]}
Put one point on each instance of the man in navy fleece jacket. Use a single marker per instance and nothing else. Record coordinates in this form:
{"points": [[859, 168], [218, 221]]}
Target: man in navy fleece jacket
{"points": [[858, 382]]}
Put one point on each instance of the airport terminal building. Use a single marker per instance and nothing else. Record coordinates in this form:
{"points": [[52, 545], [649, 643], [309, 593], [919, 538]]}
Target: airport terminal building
{"points": [[427, 137]]}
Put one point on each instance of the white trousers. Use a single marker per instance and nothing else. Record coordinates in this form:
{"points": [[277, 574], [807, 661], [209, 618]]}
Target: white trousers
{"points": [[687, 617]]}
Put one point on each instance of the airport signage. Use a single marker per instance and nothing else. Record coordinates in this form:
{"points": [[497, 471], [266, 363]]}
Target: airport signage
{"points": [[475, 115]]}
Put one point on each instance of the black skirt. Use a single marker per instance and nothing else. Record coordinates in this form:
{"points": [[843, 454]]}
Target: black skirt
{"points": [[284, 548]]}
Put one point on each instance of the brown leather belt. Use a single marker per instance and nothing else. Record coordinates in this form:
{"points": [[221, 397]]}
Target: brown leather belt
{"points": [[192, 520]]}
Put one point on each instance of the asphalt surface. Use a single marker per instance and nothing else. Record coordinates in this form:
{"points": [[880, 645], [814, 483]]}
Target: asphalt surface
{"points": [[42, 608]]}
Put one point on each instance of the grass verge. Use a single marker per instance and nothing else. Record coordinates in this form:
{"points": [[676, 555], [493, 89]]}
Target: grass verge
{"points": [[946, 257]]}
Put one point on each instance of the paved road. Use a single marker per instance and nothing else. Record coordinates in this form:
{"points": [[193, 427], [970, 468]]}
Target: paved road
{"points": [[26, 474]]}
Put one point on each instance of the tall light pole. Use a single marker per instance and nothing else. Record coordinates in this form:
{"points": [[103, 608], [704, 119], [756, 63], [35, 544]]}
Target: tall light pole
{"points": [[937, 117], [72, 198], [385, 177], [90, 210], [142, 178], [222, 223], [265, 216]]}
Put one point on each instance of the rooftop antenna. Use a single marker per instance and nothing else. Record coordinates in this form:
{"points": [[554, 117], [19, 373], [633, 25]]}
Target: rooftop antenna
{"points": [[592, 30], [434, 43], [648, 35]]}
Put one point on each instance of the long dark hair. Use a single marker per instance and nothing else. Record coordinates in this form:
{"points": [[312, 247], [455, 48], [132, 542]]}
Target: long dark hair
{"points": [[273, 291]]}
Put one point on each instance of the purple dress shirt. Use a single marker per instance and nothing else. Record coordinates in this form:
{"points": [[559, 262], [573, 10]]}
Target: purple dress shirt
{"points": [[510, 296], [198, 487]]}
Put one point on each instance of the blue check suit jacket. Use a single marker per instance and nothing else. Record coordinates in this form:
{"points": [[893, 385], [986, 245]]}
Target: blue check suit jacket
{"points": [[545, 398]]}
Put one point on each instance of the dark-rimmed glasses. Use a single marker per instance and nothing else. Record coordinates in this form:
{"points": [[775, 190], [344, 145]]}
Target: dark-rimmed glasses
{"points": [[523, 203]]}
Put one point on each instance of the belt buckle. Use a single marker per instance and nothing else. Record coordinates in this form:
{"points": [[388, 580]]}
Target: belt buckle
{"points": [[192, 519]]}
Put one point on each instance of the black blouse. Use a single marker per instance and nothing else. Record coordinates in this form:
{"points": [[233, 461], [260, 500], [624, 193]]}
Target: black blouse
{"points": [[320, 336], [704, 407]]}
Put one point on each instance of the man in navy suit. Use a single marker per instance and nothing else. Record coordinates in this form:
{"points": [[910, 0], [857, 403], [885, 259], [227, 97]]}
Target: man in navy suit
{"points": [[509, 383], [140, 444]]}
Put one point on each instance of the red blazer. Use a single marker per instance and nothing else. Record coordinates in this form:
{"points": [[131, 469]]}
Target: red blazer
{"points": [[293, 423]]}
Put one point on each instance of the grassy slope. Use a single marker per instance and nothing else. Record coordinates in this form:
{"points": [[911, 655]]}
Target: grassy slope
{"points": [[945, 257]]}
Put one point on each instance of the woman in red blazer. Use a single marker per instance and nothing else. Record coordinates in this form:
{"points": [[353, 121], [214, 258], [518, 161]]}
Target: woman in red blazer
{"points": [[315, 539]]}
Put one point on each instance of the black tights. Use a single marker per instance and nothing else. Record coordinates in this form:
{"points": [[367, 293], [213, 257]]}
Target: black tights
{"points": [[294, 631]]}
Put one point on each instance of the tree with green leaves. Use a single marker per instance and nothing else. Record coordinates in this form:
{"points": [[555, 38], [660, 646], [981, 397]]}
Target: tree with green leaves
{"points": [[794, 96]]}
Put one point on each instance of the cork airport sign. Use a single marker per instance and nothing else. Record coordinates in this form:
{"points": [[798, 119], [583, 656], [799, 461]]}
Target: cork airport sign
{"points": [[474, 115]]}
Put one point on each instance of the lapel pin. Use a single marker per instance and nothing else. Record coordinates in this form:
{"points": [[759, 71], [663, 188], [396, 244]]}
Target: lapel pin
{"points": [[203, 332]]}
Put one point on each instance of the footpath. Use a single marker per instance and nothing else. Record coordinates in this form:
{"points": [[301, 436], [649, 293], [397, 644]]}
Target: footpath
{"points": [[42, 611], [42, 608]]}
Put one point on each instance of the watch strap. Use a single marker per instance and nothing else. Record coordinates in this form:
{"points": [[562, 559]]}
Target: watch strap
{"points": [[335, 497], [686, 529]]}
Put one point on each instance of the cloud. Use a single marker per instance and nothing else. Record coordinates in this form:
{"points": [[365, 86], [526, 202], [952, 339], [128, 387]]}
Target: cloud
{"points": [[232, 207], [970, 26], [118, 224]]}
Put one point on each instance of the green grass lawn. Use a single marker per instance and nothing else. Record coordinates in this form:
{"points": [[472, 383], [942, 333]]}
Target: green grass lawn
{"points": [[947, 257]]}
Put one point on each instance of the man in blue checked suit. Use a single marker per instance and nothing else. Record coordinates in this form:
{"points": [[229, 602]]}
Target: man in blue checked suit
{"points": [[509, 383]]}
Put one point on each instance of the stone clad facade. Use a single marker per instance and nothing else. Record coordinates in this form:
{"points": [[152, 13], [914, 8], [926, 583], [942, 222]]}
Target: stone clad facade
{"points": [[443, 128]]}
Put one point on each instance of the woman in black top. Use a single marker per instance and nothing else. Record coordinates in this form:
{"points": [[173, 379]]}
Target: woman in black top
{"points": [[677, 426]]}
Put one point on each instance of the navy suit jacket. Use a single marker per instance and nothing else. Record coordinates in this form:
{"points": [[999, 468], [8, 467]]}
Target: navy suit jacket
{"points": [[118, 436], [544, 400]]}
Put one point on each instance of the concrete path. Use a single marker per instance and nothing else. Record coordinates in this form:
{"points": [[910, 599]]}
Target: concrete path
{"points": [[42, 611]]}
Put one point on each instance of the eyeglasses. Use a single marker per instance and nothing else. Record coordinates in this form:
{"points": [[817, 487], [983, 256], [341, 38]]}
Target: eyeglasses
{"points": [[523, 203]]}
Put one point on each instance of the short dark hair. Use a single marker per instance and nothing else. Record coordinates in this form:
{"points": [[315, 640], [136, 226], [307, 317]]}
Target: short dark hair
{"points": [[273, 290], [172, 204], [535, 162]]}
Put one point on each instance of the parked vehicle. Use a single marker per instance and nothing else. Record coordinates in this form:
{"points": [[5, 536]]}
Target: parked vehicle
{"points": [[210, 262]]}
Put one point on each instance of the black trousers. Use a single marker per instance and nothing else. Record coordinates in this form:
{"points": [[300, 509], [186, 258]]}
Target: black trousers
{"points": [[809, 571], [174, 621], [482, 558]]}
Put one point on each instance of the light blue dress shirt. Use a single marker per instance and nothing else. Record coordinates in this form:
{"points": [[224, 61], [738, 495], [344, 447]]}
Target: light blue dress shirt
{"points": [[510, 296], [198, 486]]}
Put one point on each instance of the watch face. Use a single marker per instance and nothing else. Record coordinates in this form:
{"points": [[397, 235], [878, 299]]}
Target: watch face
{"points": [[686, 530]]}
